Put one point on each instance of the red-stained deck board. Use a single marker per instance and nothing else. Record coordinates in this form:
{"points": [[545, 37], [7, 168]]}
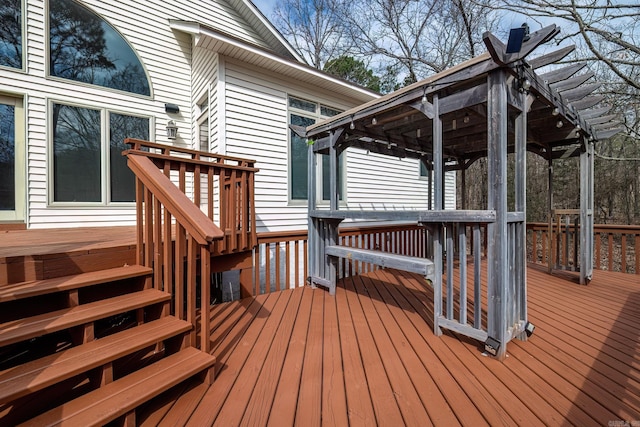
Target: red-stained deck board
{"points": [[407, 396], [368, 356], [425, 374], [259, 407], [310, 396], [238, 345], [380, 389], [285, 401], [246, 379], [334, 401], [359, 406]]}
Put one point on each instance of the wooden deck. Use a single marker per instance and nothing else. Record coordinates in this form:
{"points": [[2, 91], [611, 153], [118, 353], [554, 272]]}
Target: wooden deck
{"points": [[368, 356]]}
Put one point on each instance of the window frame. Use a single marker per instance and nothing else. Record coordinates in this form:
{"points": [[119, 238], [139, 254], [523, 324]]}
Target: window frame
{"points": [[23, 34], [105, 155], [316, 116]]}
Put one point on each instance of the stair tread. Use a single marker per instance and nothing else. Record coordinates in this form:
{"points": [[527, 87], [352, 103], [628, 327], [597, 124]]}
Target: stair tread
{"points": [[46, 286], [38, 374], [119, 397], [31, 327]]}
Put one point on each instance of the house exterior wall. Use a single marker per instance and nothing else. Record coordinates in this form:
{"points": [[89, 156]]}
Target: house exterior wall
{"points": [[247, 113]]}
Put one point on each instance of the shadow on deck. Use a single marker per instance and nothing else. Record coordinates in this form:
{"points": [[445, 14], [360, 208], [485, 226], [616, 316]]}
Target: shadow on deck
{"points": [[368, 356]]}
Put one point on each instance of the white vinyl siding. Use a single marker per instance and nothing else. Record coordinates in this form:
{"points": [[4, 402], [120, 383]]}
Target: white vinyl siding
{"points": [[257, 127]]}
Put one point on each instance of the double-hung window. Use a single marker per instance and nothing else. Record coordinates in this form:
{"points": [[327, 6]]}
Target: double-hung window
{"points": [[305, 113]]}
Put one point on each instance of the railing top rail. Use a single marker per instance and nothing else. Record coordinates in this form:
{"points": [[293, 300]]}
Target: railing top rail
{"points": [[175, 162], [610, 228], [196, 222], [139, 144]]}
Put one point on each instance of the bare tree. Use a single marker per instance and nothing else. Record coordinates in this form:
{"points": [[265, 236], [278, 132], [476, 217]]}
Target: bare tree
{"points": [[607, 36], [419, 38], [315, 28]]}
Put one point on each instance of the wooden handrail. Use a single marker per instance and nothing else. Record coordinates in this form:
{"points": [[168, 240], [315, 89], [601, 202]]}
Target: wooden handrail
{"points": [[197, 224]]}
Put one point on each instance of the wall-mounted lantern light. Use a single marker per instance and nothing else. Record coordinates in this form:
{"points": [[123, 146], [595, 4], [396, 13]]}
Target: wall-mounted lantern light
{"points": [[172, 130]]}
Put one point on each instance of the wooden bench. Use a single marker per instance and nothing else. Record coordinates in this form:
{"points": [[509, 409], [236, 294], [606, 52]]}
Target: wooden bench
{"points": [[422, 266], [122, 397], [30, 327], [41, 373]]}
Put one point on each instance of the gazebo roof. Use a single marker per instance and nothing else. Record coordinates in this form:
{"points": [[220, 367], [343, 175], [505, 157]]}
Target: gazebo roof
{"points": [[559, 104]]}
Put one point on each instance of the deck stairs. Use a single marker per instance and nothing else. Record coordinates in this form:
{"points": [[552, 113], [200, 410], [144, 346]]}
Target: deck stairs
{"points": [[89, 348]]}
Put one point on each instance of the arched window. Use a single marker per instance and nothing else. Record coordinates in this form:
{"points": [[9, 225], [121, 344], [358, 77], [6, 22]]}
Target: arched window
{"points": [[83, 47]]}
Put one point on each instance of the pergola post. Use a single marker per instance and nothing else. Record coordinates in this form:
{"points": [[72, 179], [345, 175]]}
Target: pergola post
{"points": [[586, 212], [438, 189], [497, 251], [520, 267]]}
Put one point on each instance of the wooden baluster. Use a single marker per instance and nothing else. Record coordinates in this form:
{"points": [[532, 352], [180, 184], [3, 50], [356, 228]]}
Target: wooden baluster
{"points": [[623, 253], [610, 251], [256, 270], [192, 254], [196, 186], [210, 199], [179, 271], [287, 265], [205, 299], [168, 253], [267, 270], [598, 239], [157, 250], [296, 262], [140, 194], [462, 258], [636, 250], [277, 266], [148, 228]]}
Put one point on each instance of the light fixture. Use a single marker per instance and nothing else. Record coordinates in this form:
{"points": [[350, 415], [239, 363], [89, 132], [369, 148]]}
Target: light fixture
{"points": [[559, 124], [374, 121], [171, 108], [525, 85], [424, 98], [466, 118], [491, 346], [529, 328], [352, 125], [555, 111], [172, 130]]}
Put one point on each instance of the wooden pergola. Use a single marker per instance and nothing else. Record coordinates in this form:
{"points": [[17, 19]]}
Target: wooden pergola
{"points": [[490, 106]]}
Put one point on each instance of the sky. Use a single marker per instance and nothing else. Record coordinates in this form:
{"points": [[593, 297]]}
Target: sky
{"points": [[265, 6]]}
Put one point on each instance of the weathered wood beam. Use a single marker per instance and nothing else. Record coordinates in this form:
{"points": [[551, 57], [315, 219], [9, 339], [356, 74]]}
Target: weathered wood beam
{"points": [[572, 82], [463, 99], [588, 102], [551, 58], [562, 73], [569, 96], [596, 112], [606, 134], [424, 216], [599, 120]]}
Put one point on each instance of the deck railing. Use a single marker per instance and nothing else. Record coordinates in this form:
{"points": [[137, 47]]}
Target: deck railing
{"points": [[280, 258], [177, 235], [616, 247]]}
